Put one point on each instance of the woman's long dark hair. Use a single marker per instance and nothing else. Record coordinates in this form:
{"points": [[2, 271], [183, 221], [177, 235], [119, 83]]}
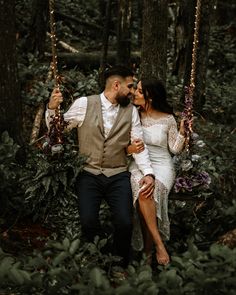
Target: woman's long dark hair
{"points": [[155, 90]]}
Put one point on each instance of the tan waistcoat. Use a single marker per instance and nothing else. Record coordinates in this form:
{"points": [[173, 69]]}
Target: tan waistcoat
{"points": [[105, 155]]}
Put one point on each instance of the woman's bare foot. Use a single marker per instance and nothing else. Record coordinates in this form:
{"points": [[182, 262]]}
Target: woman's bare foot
{"points": [[162, 256]]}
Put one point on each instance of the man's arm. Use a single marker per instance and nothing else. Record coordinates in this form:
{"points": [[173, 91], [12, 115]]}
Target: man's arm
{"points": [[75, 115]]}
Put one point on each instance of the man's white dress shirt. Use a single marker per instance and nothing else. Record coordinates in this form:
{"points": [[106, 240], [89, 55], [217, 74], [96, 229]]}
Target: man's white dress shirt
{"points": [[76, 114]]}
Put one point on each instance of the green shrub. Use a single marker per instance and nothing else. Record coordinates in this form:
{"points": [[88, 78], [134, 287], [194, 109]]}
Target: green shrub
{"points": [[71, 267]]}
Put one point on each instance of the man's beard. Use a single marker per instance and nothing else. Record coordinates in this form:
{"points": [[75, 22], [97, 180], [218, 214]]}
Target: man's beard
{"points": [[123, 100]]}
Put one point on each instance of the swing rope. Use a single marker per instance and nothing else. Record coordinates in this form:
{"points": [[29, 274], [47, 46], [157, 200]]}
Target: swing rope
{"points": [[189, 91], [53, 42], [57, 124]]}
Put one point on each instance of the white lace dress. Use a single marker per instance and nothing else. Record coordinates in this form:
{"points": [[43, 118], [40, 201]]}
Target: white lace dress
{"points": [[162, 140]]}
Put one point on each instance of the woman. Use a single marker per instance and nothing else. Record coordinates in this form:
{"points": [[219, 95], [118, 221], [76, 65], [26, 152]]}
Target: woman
{"points": [[162, 139]]}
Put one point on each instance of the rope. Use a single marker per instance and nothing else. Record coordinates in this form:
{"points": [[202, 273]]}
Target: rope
{"points": [[189, 91], [53, 42], [195, 44], [57, 123]]}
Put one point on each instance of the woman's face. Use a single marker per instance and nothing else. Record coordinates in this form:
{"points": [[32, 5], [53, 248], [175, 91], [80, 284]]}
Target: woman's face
{"points": [[138, 96]]}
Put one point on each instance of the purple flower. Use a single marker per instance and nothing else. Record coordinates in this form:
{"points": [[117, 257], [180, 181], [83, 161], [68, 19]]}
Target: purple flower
{"points": [[183, 183], [202, 178]]}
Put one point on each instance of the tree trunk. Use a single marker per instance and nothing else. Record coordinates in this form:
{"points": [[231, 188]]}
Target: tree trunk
{"points": [[10, 101], [154, 39], [225, 12], [202, 53], [184, 30], [38, 28], [123, 32], [137, 10], [202, 64], [105, 40]]}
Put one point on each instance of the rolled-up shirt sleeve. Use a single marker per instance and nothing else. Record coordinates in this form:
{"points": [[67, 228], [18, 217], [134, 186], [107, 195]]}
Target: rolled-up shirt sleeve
{"points": [[142, 159], [74, 116]]}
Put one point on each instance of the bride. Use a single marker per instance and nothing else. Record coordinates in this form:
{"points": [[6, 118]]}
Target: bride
{"points": [[162, 139]]}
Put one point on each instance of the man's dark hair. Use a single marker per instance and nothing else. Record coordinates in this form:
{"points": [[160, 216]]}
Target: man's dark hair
{"points": [[119, 71]]}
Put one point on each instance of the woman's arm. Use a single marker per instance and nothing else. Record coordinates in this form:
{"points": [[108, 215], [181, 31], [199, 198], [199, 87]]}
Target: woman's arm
{"points": [[176, 139]]}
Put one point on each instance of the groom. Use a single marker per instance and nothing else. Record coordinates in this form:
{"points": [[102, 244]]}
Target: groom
{"points": [[106, 123]]}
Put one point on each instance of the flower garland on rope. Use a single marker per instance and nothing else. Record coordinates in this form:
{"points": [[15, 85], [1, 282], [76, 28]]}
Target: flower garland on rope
{"points": [[54, 139], [188, 166]]}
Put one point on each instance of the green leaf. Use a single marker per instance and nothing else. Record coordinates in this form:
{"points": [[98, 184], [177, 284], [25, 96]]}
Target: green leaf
{"points": [[145, 275], [66, 243], [40, 174], [32, 189], [37, 262], [46, 181], [6, 138], [60, 258], [55, 186], [55, 271], [125, 289], [16, 276], [102, 243], [220, 251], [96, 277], [26, 275], [63, 179], [56, 245], [152, 290], [74, 246], [6, 265], [76, 287], [177, 261]]}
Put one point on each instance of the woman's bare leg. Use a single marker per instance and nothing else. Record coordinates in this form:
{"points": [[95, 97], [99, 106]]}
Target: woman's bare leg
{"points": [[147, 239], [148, 210]]}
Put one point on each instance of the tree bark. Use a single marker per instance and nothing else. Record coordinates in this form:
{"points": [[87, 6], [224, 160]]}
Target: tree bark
{"points": [[184, 30], [105, 40], [10, 100], [202, 53], [202, 64], [154, 39], [68, 19], [38, 28], [124, 32], [225, 12]]}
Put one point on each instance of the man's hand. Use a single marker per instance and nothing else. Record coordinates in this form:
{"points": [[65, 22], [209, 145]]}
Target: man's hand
{"points": [[55, 99], [147, 185]]}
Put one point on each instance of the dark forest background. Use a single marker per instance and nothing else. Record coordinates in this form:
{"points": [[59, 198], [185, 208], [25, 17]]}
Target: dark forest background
{"points": [[41, 249]]}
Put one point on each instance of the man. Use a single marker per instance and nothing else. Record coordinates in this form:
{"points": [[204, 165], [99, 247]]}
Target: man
{"points": [[106, 123]]}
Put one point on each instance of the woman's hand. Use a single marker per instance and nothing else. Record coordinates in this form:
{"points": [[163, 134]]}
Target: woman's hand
{"points": [[185, 125], [136, 147], [56, 99], [147, 186]]}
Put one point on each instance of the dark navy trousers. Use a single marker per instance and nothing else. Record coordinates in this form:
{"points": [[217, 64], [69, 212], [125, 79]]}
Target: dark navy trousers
{"points": [[116, 190]]}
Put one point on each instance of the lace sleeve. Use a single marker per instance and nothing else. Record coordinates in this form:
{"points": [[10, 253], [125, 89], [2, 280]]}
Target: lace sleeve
{"points": [[175, 139]]}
